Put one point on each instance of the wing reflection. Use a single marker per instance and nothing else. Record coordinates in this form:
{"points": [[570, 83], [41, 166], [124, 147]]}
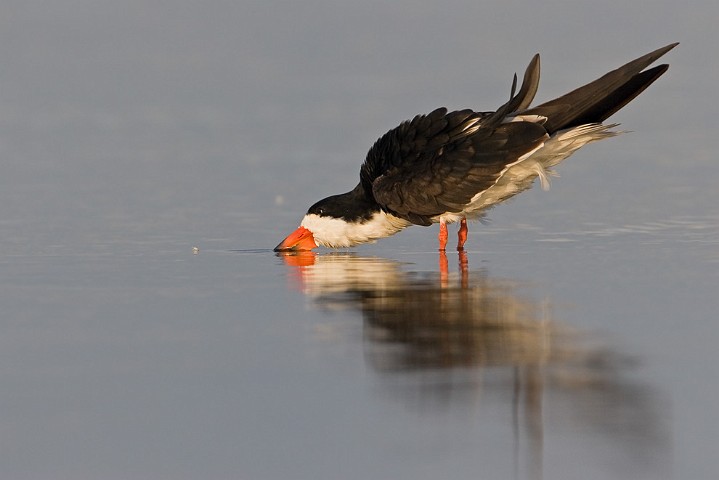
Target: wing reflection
{"points": [[439, 339]]}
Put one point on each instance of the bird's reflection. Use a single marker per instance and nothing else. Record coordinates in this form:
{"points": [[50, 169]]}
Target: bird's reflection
{"points": [[439, 338], [434, 320]]}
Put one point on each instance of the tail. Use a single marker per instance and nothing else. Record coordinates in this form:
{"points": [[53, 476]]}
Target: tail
{"points": [[598, 100]]}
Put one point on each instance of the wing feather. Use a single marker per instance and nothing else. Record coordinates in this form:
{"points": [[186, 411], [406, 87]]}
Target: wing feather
{"points": [[444, 176], [436, 163]]}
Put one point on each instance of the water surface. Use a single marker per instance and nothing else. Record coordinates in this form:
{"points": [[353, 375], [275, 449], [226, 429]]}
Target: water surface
{"points": [[153, 154]]}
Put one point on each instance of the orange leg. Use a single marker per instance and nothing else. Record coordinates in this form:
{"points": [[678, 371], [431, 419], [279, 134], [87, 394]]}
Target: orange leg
{"points": [[462, 235], [442, 236]]}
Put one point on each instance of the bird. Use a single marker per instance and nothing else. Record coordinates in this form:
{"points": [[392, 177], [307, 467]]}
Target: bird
{"points": [[447, 167]]}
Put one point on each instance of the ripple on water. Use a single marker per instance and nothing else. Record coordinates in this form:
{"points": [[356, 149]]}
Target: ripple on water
{"points": [[695, 230]]}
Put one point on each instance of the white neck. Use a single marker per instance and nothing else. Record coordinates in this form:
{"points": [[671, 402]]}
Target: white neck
{"points": [[337, 233]]}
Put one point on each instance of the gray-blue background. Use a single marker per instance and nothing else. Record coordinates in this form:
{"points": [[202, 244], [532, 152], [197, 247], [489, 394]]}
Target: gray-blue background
{"points": [[131, 132]]}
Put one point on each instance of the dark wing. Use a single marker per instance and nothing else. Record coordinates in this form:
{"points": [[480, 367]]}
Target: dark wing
{"points": [[436, 163]]}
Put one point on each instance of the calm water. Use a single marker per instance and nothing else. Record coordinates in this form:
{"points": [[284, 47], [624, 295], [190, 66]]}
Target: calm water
{"points": [[575, 339]]}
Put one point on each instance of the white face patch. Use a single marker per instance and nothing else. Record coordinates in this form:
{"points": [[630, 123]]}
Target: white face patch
{"points": [[338, 233]]}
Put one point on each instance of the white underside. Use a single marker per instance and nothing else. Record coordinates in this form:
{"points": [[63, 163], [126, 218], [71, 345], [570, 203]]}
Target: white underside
{"points": [[519, 176]]}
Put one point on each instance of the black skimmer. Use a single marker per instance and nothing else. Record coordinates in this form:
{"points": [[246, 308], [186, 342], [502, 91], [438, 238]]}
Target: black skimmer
{"points": [[446, 167]]}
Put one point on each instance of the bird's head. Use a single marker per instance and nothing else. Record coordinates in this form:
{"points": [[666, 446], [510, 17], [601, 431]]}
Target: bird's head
{"points": [[323, 225], [341, 221]]}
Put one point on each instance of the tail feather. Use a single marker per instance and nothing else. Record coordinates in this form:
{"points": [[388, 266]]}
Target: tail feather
{"points": [[601, 98], [530, 84]]}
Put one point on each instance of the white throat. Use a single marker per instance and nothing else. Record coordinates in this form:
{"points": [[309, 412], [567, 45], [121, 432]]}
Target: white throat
{"points": [[338, 233]]}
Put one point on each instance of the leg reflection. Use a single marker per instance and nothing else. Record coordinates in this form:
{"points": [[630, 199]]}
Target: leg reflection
{"points": [[443, 269], [464, 268]]}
